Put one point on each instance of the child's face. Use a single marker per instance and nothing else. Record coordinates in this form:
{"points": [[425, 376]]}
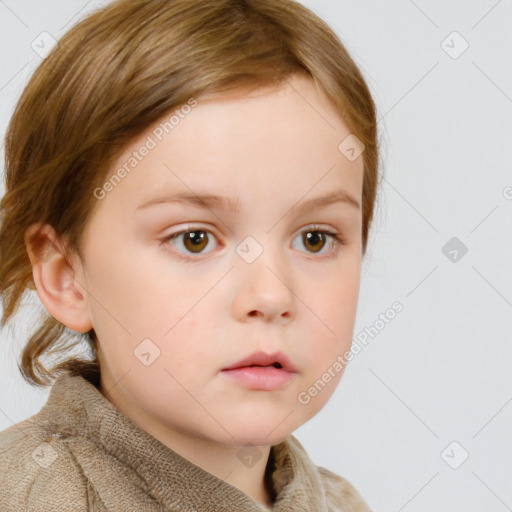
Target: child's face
{"points": [[270, 153]]}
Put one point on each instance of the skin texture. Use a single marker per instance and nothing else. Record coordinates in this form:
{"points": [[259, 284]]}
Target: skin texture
{"points": [[271, 151]]}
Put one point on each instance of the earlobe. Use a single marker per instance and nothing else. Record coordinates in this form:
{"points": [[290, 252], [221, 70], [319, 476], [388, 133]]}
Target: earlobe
{"points": [[59, 283]]}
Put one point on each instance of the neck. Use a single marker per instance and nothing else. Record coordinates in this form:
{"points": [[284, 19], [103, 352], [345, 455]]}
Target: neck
{"points": [[249, 469]]}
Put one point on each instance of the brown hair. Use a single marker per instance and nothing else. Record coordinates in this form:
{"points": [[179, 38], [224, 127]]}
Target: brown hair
{"points": [[110, 78]]}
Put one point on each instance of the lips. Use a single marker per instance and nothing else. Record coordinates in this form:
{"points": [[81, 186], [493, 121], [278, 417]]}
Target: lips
{"points": [[277, 360], [262, 372]]}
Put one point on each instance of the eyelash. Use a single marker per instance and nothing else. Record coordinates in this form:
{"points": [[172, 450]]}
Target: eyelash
{"points": [[337, 239]]}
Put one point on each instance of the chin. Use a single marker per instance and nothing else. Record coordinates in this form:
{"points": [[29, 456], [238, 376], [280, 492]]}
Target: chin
{"points": [[262, 432]]}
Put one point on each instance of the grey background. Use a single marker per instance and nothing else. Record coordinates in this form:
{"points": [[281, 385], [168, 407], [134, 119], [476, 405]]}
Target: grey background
{"points": [[439, 372]]}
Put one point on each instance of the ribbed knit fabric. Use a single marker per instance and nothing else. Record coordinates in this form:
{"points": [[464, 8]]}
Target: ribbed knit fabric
{"points": [[80, 453]]}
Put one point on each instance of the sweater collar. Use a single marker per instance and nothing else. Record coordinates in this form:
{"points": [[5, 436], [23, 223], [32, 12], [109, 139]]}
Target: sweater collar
{"points": [[76, 408]]}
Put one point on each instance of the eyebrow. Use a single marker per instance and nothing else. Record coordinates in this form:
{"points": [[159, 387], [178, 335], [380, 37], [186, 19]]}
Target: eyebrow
{"points": [[213, 201]]}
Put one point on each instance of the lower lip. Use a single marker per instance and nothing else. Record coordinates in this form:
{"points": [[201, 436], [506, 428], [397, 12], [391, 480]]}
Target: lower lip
{"points": [[263, 378]]}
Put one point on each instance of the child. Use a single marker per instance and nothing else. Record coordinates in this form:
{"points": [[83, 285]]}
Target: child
{"points": [[152, 129]]}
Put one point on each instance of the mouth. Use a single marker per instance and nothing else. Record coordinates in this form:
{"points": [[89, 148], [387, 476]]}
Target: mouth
{"points": [[261, 359], [262, 372]]}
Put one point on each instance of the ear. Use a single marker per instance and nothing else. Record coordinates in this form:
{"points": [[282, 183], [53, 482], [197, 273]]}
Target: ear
{"points": [[59, 282]]}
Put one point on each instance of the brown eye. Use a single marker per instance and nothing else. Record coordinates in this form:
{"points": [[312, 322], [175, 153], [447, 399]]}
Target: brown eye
{"points": [[314, 239], [188, 242], [195, 241]]}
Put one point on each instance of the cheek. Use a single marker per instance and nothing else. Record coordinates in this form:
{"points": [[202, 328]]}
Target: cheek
{"points": [[337, 302], [188, 342], [147, 299], [169, 310], [331, 328]]}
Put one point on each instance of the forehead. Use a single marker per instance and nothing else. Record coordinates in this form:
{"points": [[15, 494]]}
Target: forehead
{"points": [[265, 145]]}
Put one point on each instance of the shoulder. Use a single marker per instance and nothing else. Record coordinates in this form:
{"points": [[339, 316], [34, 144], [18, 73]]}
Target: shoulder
{"points": [[340, 494], [38, 471]]}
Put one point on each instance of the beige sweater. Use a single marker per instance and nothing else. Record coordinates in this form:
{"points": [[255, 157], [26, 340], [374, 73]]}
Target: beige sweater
{"points": [[80, 453]]}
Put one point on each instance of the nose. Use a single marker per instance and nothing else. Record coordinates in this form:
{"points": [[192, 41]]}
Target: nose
{"points": [[264, 289]]}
